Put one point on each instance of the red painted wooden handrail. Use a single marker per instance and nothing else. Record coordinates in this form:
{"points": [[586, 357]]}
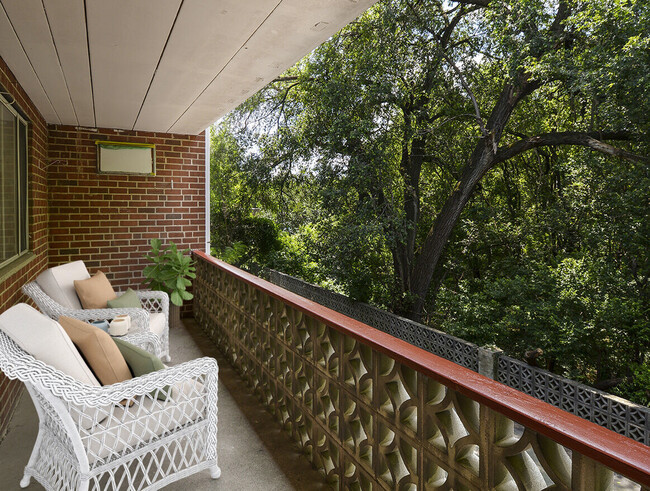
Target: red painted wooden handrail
{"points": [[621, 454]]}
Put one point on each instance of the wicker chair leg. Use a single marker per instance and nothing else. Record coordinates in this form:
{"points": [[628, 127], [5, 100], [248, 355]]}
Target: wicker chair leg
{"points": [[215, 472], [24, 482]]}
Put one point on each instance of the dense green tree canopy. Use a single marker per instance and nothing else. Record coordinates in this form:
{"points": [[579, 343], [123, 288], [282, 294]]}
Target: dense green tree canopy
{"points": [[480, 165]]}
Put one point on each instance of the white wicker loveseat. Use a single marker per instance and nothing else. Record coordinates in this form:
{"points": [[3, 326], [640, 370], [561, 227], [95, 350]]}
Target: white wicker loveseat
{"points": [[120, 436], [54, 294]]}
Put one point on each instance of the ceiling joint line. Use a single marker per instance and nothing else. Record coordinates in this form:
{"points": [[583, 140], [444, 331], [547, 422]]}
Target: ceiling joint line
{"points": [[58, 59], [162, 53], [13, 28], [226, 64], [90, 64]]}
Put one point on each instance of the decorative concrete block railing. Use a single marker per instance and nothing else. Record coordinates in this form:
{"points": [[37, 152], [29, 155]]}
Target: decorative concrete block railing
{"points": [[612, 412], [442, 344], [374, 412]]}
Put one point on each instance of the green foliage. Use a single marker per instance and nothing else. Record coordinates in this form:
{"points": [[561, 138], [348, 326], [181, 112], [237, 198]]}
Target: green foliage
{"points": [[637, 386], [298, 255], [339, 172], [235, 254], [170, 270], [256, 239], [561, 266], [261, 234]]}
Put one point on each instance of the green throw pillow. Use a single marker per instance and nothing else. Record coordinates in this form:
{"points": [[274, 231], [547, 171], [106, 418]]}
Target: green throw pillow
{"points": [[142, 362], [129, 299]]}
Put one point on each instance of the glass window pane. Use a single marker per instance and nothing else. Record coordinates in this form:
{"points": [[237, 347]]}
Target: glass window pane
{"points": [[22, 150], [8, 186]]}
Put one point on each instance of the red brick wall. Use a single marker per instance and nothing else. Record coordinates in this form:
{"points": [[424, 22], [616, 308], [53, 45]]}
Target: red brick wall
{"points": [[108, 220], [10, 283]]}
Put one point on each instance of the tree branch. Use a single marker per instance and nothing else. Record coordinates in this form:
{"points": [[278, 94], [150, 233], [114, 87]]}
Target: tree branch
{"points": [[478, 3], [467, 88], [291, 79], [591, 140]]}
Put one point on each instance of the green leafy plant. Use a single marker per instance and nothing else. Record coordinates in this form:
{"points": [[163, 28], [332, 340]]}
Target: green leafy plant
{"points": [[171, 271]]}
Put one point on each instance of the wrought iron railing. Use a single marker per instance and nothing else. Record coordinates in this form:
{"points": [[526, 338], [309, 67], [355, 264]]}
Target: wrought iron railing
{"points": [[374, 412]]}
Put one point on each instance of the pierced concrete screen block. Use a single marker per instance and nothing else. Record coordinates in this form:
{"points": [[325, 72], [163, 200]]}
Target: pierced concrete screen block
{"points": [[368, 421], [126, 158]]}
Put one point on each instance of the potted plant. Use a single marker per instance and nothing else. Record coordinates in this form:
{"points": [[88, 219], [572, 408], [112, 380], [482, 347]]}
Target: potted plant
{"points": [[171, 271]]}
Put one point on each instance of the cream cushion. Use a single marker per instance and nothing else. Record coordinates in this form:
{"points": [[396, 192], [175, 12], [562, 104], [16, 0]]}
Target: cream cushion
{"points": [[58, 283], [45, 340], [157, 323], [147, 419]]}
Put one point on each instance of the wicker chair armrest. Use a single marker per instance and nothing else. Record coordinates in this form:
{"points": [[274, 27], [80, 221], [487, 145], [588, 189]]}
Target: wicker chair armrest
{"points": [[203, 369], [139, 411], [139, 317], [158, 300], [51, 308], [16, 364]]}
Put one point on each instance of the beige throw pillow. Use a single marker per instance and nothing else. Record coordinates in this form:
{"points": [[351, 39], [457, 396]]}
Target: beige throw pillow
{"points": [[95, 292], [99, 350]]}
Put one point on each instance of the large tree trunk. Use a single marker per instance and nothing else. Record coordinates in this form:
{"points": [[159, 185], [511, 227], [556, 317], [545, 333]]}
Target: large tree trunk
{"points": [[438, 236], [413, 149], [481, 160], [487, 154], [416, 273]]}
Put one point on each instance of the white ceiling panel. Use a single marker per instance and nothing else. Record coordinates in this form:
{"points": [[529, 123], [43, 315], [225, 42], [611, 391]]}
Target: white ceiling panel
{"points": [[14, 54], [16, 60], [293, 29], [190, 63], [68, 25], [126, 39], [158, 65]]}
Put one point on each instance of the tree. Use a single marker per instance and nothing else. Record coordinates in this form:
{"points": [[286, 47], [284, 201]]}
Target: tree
{"points": [[372, 105], [453, 161], [541, 44]]}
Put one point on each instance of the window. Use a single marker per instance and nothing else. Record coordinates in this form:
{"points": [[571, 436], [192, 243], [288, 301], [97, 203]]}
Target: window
{"points": [[13, 183]]}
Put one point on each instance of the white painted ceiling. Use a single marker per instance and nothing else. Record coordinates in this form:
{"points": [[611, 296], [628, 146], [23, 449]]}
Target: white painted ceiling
{"points": [[172, 66]]}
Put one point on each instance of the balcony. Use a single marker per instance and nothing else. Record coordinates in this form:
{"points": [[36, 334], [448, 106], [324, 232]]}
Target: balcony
{"points": [[369, 411], [374, 412]]}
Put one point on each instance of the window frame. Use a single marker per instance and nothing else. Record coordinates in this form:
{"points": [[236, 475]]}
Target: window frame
{"points": [[22, 180]]}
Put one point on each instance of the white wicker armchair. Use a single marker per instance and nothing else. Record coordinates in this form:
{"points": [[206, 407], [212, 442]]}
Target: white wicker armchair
{"points": [[140, 334], [119, 436]]}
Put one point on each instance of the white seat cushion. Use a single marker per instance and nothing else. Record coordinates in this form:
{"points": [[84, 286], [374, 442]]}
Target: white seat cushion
{"points": [[45, 340], [157, 323], [58, 283], [147, 419]]}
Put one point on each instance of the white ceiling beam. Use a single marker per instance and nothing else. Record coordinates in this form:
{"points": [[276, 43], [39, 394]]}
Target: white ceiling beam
{"points": [[20, 64], [158, 65], [33, 30]]}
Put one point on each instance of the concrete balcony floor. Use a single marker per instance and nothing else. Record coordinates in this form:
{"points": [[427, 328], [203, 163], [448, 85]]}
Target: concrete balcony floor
{"points": [[254, 454]]}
